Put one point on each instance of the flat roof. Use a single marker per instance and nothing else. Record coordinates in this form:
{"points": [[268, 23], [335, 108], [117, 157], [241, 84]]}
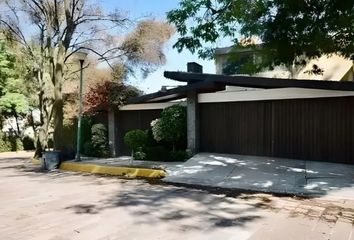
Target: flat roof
{"points": [[211, 83]]}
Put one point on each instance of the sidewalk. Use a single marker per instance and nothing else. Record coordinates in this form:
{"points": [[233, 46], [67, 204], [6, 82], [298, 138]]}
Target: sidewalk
{"points": [[265, 174], [237, 172]]}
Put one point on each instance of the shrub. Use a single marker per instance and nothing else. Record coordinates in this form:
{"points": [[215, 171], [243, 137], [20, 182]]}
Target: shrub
{"points": [[139, 155], [86, 125], [69, 135], [28, 143], [173, 125], [136, 139], [88, 149], [156, 129], [99, 140], [10, 143], [157, 153], [4, 145], [178, 156], [98, 145]]}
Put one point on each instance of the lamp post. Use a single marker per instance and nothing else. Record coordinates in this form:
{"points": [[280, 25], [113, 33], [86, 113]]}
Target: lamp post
{"points": [[81, 56]]}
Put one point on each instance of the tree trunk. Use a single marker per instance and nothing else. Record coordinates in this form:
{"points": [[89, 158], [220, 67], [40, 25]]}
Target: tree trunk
{"points": [[58, 111], [58, 125], [39, 149], [41, 138], [41, 141], [17, 126]]}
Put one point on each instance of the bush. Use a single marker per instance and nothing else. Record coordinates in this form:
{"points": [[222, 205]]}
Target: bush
{"points": [[15, 143], [139, 155], [86, 124], [28, 143], [172, 126], [10, 143], [156, 129], [178, 156], [98, 146], [87, 149], [99, 140], [157, 153], [136, 139], [4, 145]]}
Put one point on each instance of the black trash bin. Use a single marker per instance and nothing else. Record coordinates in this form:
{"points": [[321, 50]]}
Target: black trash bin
{"points": [[51, 160]]}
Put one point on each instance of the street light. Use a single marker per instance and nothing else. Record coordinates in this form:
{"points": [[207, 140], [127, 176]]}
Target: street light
{"points": [[80, 56]]}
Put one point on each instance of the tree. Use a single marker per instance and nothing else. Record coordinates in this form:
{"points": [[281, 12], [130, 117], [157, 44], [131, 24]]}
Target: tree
{"points": [[136, 140], [102, 96], [7, 61], [7, 66], [288, 29], [13, 103], [60, 28]]}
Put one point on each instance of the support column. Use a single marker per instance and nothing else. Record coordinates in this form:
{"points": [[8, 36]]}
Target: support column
{"points": [[192, 122], [112, 133]]}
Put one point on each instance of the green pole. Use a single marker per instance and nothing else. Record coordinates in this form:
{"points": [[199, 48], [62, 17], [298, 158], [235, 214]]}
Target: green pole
{"points": [[78, 144]]}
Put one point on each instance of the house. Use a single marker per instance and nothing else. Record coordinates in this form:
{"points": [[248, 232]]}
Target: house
{"points": [[276, 117], [335, 67]]}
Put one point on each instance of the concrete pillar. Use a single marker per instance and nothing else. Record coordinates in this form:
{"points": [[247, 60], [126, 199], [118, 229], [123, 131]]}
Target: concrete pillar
{"points": [[112, 133], [192, 122], [193, 112]]}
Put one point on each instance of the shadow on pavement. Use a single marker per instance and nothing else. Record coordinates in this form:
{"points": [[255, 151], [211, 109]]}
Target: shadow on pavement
{"points": [[154, 204]]}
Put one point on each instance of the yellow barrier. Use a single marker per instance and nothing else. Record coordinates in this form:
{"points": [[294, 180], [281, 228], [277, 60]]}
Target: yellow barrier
{"points": [[129, 172]]}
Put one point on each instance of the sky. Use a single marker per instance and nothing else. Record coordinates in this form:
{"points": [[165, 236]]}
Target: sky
{"points": [[137, 9]]}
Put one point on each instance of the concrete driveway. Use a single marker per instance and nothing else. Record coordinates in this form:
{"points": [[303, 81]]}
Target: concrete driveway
{"points": [[266, 174]]}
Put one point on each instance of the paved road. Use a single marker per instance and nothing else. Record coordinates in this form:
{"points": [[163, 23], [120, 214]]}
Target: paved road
{"points": [[63, 205]]}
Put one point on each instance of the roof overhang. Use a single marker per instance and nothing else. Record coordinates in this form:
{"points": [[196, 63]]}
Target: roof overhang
{"points": [[178, 92], [259, 82], [209, 83]]}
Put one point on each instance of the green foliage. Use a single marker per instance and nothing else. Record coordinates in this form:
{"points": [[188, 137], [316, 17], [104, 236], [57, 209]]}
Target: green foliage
{"points": [[28, 143], [16, 143], [162, 153], [178, 156], [139, 155], [7, 66], [99, 141], [69, 134], [14, 104], [147, 148], [4, 144], [156, 130], [136, 139], [97, 146], [86, 124], [287, 28], [157, 153], [167, 133], [13, 70], [10, 143], [173, 124]]}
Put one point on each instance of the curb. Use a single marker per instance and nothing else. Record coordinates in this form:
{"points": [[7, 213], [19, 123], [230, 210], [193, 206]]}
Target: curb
{"points": [[36, 161], [128, 172]]}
